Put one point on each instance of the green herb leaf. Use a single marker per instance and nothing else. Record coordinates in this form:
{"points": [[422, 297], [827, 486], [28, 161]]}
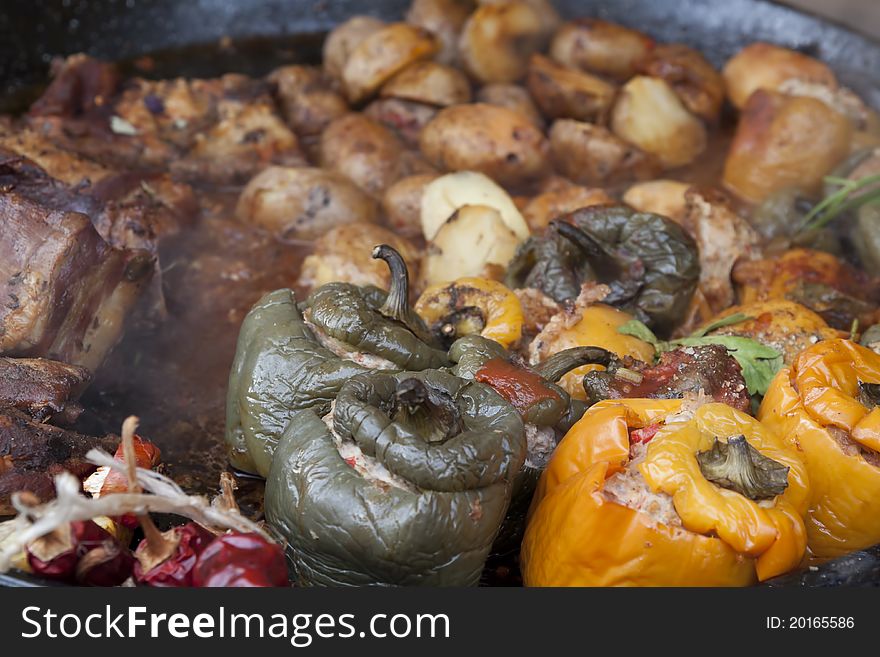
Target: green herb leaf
{"points": [[639, 330], [840, 202], [730, 320]]}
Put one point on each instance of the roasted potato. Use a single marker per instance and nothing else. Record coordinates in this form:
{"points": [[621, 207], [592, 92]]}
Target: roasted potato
{"points": [[666, 197], [474, 241], [498, 39], [429, 83], [303, 203], [600, 47], [444, 19], [345, 254], [649, 114], [405, 118], [402, 204], [784, 142], [381, 55], [344, 38], [493, 140], [765, 66], [513, 97], [445, 195], [566, 93], [698, 85], [592, 155], [308, 101], [545, 207], [364, 151]]}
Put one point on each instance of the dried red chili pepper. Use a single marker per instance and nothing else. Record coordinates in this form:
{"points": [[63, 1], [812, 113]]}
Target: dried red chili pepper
{"points": [[57, 555], [167, 559], [109, 564], [147, 456], [242, 560]]}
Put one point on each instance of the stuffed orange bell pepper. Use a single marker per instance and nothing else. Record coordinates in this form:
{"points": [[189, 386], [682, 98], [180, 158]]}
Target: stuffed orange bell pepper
{"points": [[825, 406], [645, 492]]}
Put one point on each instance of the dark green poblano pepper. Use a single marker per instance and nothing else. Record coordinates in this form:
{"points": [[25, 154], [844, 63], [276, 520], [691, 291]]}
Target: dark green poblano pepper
{"points": [[406, 482], [648, 261], [547, 410], [291, 357]]}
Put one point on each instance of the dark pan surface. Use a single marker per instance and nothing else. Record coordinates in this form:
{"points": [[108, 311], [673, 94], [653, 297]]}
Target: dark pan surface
{"points": [[34, 31]]}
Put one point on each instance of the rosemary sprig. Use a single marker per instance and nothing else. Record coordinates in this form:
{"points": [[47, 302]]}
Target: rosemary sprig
{"points": [[845, 199]]}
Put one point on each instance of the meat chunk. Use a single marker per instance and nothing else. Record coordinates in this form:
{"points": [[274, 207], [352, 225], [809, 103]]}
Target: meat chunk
{"points": [[723, 237], [45, 389], [31, 454], [129, 209], [685, 370], [64, 291], [79, 85]]}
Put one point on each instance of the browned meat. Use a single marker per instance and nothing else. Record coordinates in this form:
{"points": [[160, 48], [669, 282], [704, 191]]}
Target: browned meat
{"points": [[79, 85], [221, 130], [31, 454], [45, 389], [709, 369], [64, 291], [130, 209]]}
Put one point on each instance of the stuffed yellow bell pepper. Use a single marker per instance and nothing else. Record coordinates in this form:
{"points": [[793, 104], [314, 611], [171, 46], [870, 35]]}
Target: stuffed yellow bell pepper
{"points": [[666, 493], [825, 406], [595, 325], [470, 306]]}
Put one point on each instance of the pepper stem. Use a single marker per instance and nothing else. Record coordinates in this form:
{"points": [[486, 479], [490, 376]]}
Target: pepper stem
{"points": [[559, 364], [159, 548], [227, 492], [431, 414], [737, 466], [396, 306]]}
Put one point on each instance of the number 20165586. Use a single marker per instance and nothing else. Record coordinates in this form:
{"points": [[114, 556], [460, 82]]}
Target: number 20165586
{"points": [[810, 623]]}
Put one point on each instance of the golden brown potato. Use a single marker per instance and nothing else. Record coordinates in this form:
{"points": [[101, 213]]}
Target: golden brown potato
{"points": [[303, 203], [344, 38], [444, 19], [405, 118], [666, 197], [308, 101], [495, 141], [600, 47], [784, 142], [511, 96], [345, 254], [402, 203], [550, 20], [498, 39], [364, 151], [765, 66], [567, 93], [430, 83], [699, 86], [381, 55], [592, 155], [650, 115], [545, 207]]}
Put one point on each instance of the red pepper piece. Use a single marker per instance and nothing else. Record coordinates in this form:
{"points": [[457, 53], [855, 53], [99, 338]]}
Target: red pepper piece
{"points": [[645, 434], [520, 387], [241, 560], [56, 555], [173, 569]]}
